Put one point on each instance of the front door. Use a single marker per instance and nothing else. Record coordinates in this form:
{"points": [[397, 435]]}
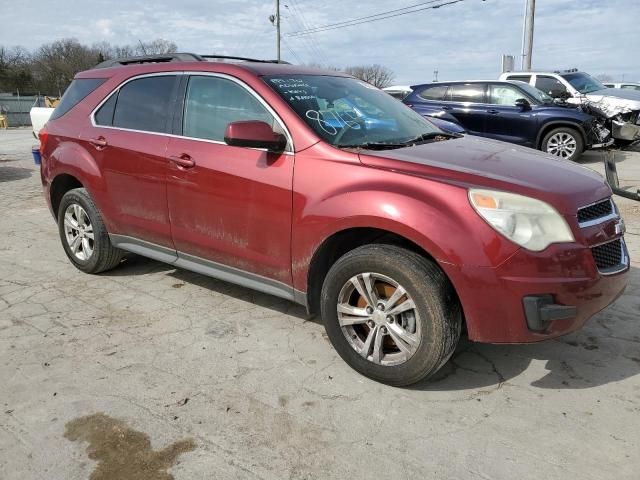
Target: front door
{"points": [[228, 206], [508, 122]]}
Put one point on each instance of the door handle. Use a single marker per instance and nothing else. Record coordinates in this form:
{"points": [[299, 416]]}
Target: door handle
{"points": [[493, 111], [447, 108], [99, 142], [183, 161]]}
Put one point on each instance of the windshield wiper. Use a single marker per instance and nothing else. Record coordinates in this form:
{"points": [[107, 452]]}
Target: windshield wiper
{"points": [[375, 145], [432, 136]]}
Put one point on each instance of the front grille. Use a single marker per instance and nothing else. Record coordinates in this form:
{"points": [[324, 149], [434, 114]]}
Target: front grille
{"points": [[609, 255], [595, 211]]}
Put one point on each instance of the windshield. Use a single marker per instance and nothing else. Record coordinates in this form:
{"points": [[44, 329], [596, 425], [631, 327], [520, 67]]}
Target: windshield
{"points": [[539, 95], [345, 111], [583, 82]]}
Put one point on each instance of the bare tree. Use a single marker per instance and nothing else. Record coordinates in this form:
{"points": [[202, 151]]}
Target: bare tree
{"points": [[51, 68], [15, 73], [377, 75], [156, 47], [55, 64]]}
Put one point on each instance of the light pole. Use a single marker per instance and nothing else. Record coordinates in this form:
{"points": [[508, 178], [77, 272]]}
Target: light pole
{"points": [[278, 27], [275, 20], [527, 34]]}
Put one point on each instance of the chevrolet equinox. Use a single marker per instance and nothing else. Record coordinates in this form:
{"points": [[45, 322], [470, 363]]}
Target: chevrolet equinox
{"points": [[321, 189]]}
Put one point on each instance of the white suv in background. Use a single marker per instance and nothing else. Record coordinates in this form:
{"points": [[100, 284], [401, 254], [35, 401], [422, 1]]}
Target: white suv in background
{"points": [[625, 85], [620, 106]]}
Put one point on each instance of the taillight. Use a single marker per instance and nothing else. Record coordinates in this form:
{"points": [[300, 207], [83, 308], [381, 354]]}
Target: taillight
{"points": [[43, 135]]}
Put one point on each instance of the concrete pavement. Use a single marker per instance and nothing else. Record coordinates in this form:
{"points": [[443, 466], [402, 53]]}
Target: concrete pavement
{"points": [[204, 379]]}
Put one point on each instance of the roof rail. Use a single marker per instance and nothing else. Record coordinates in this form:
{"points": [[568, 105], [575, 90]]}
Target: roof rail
{"points": [[166, 57], [230, 57], [174, 57]]}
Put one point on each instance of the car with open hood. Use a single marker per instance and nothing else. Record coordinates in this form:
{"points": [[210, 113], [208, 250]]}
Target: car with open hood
{"points": [[398, 235], [619, 106]]}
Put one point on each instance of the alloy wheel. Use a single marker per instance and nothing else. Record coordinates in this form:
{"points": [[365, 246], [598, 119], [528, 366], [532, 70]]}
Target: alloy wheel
{"points": [[379, 319], [562, 145], [78, 232]]}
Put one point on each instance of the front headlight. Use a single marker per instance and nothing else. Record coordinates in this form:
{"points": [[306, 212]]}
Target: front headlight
{"points": [[531, 223]]}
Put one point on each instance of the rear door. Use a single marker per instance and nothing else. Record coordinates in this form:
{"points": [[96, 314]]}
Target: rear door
{"points": [[506, 121], [232, 207], [129, 141], [466, 102]]}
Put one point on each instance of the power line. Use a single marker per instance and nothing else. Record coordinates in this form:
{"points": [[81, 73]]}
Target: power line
{"points": [[378, 14], [316, 55], [375, 18]]}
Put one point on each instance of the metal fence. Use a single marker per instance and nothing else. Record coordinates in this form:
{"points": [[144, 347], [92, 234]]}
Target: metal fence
{"points": [[17, 108]]}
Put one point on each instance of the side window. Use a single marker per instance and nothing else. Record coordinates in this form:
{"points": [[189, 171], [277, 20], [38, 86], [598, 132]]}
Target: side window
{"points": [[143, 104], [212, 103], [630, 87], [104, 115], [550, 86], [469, 92], [435, 92], [520, 78], [505, 95]]}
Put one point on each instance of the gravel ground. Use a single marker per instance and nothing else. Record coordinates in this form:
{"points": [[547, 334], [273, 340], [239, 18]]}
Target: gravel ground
{"points": [[149, 368]]}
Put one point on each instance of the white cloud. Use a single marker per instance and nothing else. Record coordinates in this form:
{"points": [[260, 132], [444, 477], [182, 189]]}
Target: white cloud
{"points": [[464, 40], [104, 27]]}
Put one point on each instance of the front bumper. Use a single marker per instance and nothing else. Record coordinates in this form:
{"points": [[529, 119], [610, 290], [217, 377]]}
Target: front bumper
{"points": [[493, 299], [628, 131]]}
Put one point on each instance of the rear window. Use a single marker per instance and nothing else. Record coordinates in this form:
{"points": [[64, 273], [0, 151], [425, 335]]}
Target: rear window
{"points": [[435, 92], [520, 78], [79, 88]]}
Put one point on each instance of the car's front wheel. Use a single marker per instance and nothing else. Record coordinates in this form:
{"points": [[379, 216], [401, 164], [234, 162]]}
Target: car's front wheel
{"points": [[390, 313], [563, 142], [83, 234]]}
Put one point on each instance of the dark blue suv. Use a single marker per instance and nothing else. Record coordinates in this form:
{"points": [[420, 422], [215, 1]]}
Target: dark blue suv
{"points": [[512, 112]]}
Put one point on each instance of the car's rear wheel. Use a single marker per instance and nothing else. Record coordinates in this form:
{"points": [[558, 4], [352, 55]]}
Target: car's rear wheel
{"points": [[563, 142], [84, 237], [390, 313]]}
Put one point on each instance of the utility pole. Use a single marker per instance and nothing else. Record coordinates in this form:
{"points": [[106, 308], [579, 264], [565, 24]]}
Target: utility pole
{"points": [[527, 34], [278, 27]]}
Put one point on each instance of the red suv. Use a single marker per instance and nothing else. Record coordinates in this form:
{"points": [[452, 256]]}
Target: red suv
{"points": [[319, 188]]}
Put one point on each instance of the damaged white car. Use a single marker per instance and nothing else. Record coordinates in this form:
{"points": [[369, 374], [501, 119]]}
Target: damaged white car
{"points": [[619, 107]]}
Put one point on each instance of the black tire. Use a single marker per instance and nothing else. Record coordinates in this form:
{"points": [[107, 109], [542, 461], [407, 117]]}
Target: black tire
{"points": [[577, 136], [105, 256], [436, 304]]}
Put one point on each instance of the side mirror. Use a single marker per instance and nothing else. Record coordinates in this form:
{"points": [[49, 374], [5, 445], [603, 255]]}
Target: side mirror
{"points": [[523, 103], [254, 134]]}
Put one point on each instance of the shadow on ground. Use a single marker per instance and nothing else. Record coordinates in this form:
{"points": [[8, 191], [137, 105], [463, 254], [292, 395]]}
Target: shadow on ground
{"points": [[138, 265], [10, 174], [473, 365]]}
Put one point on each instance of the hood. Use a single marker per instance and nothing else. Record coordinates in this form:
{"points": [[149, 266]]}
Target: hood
{"points": [[477, 162], [612, 101]]}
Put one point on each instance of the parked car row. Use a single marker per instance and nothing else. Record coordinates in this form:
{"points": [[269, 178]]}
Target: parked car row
{"points": [[512, 112], [319, 188], [559, 113]]}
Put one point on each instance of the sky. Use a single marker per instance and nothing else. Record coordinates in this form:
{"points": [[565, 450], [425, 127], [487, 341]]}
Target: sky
{"points": [[461, 41]]}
